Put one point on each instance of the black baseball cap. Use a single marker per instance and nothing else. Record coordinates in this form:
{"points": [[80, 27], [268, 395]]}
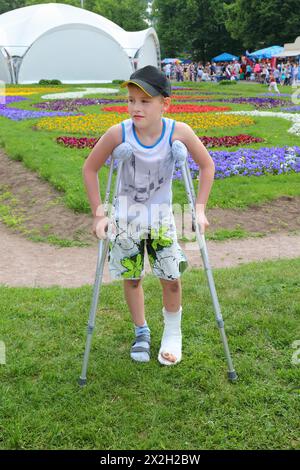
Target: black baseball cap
{"points": [[151, 80]]}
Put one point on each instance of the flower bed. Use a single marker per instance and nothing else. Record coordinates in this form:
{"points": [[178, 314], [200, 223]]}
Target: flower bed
{"points": [[275, 94], [292, 109], [10, 99], [88, 123], [77, 142], [99, 123], [200, 121], [226, 141], [229, 140], [17, 114], [191, 98], [14, 91], [250, 162], [175, 87], [259, 103], [175, 108], [73, 105]]}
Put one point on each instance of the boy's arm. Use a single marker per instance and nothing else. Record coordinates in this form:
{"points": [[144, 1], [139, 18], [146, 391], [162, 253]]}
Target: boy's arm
{"points": [[201, 157], [96, 159]]}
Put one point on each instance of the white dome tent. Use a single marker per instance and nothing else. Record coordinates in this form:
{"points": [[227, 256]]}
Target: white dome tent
{"points": [[58, 41]]}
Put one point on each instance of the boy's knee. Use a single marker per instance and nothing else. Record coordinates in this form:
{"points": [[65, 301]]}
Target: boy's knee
{"points": [[173, 286], [133, 283]]}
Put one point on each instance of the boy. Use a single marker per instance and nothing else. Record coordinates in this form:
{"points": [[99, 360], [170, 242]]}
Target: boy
{"points": [[146, 183]]}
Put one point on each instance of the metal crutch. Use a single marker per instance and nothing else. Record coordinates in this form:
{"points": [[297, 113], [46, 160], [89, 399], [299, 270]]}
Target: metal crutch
{"points": [[120, 154], [180, 153]]}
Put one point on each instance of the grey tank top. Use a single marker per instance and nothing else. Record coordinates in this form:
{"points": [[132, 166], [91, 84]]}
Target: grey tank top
{"points": [[145, 192]]}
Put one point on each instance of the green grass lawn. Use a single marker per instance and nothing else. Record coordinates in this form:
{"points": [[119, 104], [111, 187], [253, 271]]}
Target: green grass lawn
{"points": [[146, 406]]}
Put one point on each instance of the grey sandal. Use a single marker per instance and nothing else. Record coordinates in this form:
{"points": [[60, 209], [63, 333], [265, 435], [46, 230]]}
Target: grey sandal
{"points": [[138, 348]]}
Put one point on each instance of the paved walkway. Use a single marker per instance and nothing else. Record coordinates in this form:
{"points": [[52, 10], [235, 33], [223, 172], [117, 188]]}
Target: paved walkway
{"points": [[30, 264]]}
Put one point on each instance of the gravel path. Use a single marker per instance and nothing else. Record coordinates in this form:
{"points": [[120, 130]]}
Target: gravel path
{"points": [[30, 264]]}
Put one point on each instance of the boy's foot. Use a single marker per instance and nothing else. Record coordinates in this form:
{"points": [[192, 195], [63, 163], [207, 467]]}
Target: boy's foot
{"points": [[171, 343], [140, 349]]}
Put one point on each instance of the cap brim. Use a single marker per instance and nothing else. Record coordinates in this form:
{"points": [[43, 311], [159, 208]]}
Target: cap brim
{"points": [[145, 87]]}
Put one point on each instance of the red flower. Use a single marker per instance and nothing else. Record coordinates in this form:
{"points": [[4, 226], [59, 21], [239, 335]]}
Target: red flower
{"points": [[191, 97], [225, 141], [228, 140], [174, 108], [75, 142]]}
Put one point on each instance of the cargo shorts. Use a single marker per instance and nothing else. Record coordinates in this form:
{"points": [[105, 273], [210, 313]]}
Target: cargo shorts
{"points": [[127, 253]]}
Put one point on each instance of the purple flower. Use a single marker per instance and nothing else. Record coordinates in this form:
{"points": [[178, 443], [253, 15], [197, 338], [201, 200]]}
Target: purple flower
{"points": [[17, 114], [10, 99], [251, 162], [292, 109], [275, 94], [73, 104]]}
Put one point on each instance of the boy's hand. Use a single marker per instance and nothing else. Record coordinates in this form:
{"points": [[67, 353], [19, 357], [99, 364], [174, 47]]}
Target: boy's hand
{"points": [[100, 226], [201, 218]]}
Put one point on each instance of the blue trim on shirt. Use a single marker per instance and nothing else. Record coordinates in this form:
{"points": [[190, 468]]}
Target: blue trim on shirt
{"points": [[123, 132], [171, 133], [156, 143]]}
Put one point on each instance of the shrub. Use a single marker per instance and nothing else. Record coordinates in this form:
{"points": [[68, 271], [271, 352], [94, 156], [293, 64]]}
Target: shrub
{"points": [[49, 82], [228, 82]]}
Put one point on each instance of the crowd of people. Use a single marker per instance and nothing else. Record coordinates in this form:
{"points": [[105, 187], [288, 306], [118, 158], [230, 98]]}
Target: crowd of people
{"points": [[285, 73]]}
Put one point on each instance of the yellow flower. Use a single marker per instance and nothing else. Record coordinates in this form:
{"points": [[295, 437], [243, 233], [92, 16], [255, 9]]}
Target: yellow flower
{"points": [[17, 91], [99, 123]]}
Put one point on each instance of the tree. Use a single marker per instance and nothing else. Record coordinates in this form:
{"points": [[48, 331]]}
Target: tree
{"points": [[169, 18], [196, 27], [257, 24], [131, 15], [7, 5]]}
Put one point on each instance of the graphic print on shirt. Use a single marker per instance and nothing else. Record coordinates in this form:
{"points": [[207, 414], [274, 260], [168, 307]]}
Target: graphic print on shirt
{"points": [[142, 180]]}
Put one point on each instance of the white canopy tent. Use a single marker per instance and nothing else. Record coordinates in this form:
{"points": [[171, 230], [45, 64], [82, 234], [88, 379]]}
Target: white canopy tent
{"points": [[291, 49], [71, 44]]}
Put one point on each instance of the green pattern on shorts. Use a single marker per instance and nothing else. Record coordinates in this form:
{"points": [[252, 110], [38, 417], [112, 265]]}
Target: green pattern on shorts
{"points": [[133, 265], [159, 239], [166, 258]]}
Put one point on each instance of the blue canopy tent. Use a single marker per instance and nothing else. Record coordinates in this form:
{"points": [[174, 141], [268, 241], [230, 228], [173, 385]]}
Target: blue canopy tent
{"points": [[170, 61], [266, 53], [225, 57]]}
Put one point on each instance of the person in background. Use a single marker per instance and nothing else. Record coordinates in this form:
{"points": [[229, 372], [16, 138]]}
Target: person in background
{"points": [[185, 73], [257, 71], [248, 71], [273, 84], [191, 72], [199, 73], [167, 70]]}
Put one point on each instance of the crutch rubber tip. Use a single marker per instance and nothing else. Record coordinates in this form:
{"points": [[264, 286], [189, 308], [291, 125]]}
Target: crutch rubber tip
{"points": [[82, 382], [232, 376]]}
